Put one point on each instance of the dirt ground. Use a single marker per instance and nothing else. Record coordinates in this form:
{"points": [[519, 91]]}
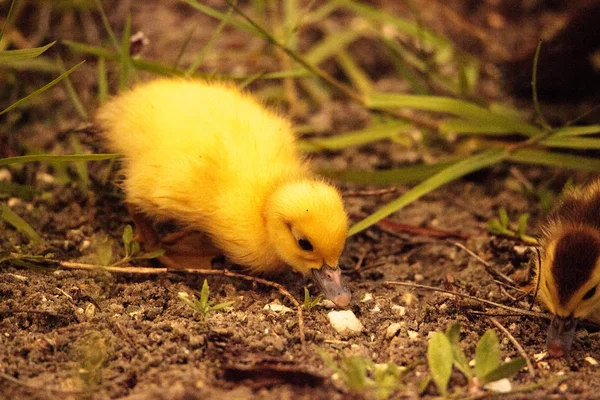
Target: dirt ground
{"points": [[79, 334]]}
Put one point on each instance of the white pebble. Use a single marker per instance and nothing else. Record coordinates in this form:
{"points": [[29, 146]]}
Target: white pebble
{"points": [[591, 361], [278, 308], [540, 356], [44, 178], [344, 321], [5, 175], [14, 201], [375, 309], [367, 297], [399, 310], [501, 386], [392, 330], [413, 335]]}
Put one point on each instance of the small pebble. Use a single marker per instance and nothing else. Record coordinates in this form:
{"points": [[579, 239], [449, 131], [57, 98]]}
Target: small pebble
{"points": [[5, 175], [392, 330], [591, 361], [500, 386], [375, 309], [278, 308], [344, 321], [367, 297], [401, 311], [413, 335]]}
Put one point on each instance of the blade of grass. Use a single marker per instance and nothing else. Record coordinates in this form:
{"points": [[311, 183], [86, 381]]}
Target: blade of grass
{"points": [[552, 159], [42, 89], [469, 127], [80, 166], [23, 54], [534, 91], [25, 192], [38, 64], [398, 176], [143, 65], [577, 130], [211, 12], [356, 75], [7, 19], [331, 45], [466, 166], [56, 158], [125, 59], [211, 42], [183, 48], [73, 93], [356, 138], [107, 27], [464, 109], [10, 217], [572, 142], [102, 81]]}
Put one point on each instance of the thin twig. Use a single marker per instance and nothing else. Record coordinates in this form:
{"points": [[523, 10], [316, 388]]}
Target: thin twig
{"points": [[492, 314], [538, 277], [39, 388], [488, 267], [466, 296], [219, 272], [516, 344], [361, 259], [372, 192]]}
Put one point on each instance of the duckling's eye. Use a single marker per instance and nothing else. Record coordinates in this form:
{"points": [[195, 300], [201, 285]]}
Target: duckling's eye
{"points": [[305, 245], [590, 293]]}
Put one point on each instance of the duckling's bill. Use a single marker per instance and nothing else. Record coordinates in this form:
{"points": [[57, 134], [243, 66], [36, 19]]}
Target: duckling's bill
{"points": [[561, 333], [330, 280]]}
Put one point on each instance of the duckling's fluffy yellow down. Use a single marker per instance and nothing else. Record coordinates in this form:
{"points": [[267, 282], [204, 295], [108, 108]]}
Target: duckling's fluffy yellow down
{"points": [[214, 159]]}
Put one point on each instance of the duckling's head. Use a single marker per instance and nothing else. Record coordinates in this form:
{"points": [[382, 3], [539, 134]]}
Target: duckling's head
{"points": [[569, 279], [307, 226]]}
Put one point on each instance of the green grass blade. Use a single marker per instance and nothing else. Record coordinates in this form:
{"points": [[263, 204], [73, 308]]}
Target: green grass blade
{"points": [[211, 42], [331, 45], [572, 142], [38, 64], [183, 48], [125, 58], [25, 192], [449, 174], [356, 75], [7, 19], [56, 158], [453, 106], [73, 94], [10, 217], [211, 12], [107, 27], [102, 81], [465, 126], [427, 37], [23, 54], [80, 166], [577, 130], [40, 90], [412, 174], [357, 138], [552, 159]]}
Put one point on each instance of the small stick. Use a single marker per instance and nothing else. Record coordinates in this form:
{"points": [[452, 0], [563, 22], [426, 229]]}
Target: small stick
{"points": [[38, 388], [388, 225], [373, 192], [220, 272], [361, 259], [516, 344], [490, 314], [466, 296], [488, 267]]}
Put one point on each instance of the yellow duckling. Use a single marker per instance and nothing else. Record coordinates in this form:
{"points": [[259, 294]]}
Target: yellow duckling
{"points": [[570, 265], [212, 158]]}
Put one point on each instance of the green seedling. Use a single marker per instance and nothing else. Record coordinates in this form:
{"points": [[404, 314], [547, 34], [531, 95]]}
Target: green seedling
{"points": [[132, 249], [365, 377], [444, 353], [203, 305], [310, 303], [502, 226], [93, 353]]}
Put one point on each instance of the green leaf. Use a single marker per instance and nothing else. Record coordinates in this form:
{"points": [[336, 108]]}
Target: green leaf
{"points": [[41, 90], [522, 224], [125, 58], [153, 254], [449, 174], [220, 306], [127, 239], [440, 360], [487, 354], [577, 130], [10, 217], [506, 370], [57, 158], [460, 360], [503, 217], [204, 294], [572, 142], [10, 56]]}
